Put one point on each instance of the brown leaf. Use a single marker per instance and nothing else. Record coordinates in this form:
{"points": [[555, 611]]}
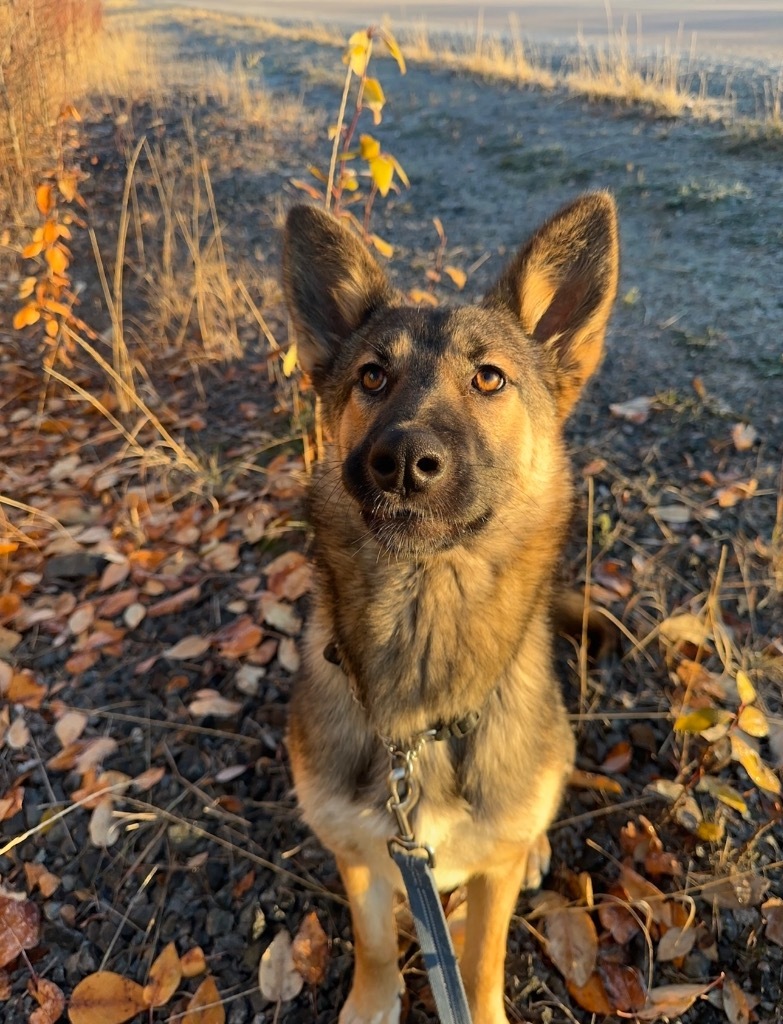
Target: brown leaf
{"points": [[619, 758], [241, 637], [19, 928], [735, 1002], [310, 950], [165, 975], [591, 996], [676, 942], [105, 998], [11, 802], [670, 1001], [773, 918], [617, 918], [593, 780], [193, 962], [50, 999], [278, 978], [23, 689], [70, 727], [205, 1006], [624, 986], [744, 436], [572, 944], [175, 603], [187, 648]]}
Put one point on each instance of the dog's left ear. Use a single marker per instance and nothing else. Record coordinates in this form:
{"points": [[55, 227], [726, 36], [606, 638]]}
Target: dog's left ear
{"points": [[332, 285], [561, 286]]}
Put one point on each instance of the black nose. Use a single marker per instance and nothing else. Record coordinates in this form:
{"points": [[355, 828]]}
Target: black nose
{"points": [[405, 461]]}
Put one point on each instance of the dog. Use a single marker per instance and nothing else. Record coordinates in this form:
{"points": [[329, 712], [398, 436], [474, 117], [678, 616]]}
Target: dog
{"points": [[439, 512]]}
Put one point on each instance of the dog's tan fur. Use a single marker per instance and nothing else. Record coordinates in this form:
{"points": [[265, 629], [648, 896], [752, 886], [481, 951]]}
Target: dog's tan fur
{"points": [[439, 515]]}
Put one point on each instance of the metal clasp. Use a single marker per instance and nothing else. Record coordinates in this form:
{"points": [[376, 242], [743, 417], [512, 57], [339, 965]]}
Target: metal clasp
{"points": [[404, 794]]}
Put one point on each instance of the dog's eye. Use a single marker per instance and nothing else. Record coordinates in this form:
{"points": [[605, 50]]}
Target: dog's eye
{"points": [[373, 378], [488, 379]]}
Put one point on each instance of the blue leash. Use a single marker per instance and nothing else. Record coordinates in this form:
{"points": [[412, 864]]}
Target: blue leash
{"points": [[415, 862]]}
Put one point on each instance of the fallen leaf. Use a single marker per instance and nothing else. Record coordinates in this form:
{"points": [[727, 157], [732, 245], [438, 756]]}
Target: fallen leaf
{"points": [[188, 648], [105, 998], [205, 1006], [624, 986], [20, 925], [11, 802], [619, 758], [572, 944], [17, 735], [175, 603], [94, 752], [165, 975], [674, 515], [729, 496], [735, 1002], [193, 962], [635, 410], [753, 721], [668, 1001], [103, 826], [685, 628], [675, 942], [764, 777], [280, 615], [50, 999], [210, 702], [592, 996], [278, 978], [70, 727], [745, 688], [773, 920], [744, 436], [310, 950], [459, 277]]}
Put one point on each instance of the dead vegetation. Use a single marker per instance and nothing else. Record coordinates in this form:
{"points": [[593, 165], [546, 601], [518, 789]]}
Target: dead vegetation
{"points": [[153, 574]]}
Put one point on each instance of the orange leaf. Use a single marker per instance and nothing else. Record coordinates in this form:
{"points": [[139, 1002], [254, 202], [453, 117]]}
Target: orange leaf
{"points": [[23, 689], [50, 999], [193, 962], [26, 316], [43, 199], [310, 950], [32, 249], [57, 258], [105, 998], [205, 1006], [592, 996], [165, 975]]}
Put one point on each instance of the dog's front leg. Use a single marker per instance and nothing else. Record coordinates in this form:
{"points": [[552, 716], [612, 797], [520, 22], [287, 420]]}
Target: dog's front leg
{"points": [[377, 982], [492, 897]]}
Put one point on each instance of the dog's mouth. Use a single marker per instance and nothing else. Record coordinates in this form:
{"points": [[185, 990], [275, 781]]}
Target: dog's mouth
{"points": [[403, 530]]}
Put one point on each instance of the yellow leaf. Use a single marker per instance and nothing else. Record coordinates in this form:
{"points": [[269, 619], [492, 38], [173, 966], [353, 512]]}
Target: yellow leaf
{"points": [[760, 773], [459, 277], [704, 718], [205, 1006], [43, 199], [710, 831], [392, 46], [383, 247], [723, 792], [57, 259], [357, 56], [382, 173], [373, 98], [289, 360], [349, 180], [421, 298], [26, 287], [745, 688], [369, 147], [27, 315], [753, 721], [52, 328], [165, 976], [402, 175], [105, 998]]}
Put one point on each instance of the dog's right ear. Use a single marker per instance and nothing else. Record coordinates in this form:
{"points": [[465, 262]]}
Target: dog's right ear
{"points": [[332, 285]]}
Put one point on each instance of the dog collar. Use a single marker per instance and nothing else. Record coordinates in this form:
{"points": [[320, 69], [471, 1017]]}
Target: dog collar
{"points": [[456, 729]]}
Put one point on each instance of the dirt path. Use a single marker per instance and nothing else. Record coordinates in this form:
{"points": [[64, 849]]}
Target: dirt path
{"points": [[215, 855]]}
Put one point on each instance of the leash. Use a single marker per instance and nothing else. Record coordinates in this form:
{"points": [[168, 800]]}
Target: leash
{"points": [[416, 861]]}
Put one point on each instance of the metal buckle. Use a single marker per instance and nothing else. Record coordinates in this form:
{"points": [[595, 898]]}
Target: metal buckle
{"points": [[404, 794]]}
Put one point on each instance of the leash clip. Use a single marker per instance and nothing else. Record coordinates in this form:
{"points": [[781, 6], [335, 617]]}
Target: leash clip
{"points": [[404, 794]]}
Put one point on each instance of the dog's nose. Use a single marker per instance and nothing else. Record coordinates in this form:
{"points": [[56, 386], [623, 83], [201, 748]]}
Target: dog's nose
{"points": [[406, 462]]}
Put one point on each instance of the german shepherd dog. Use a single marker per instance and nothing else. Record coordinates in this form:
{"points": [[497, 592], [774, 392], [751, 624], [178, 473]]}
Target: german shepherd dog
{"points": [[439, 514]]}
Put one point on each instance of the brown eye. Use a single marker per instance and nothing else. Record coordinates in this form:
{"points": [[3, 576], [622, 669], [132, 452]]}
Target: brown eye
{"points": [[373, 379], [488, 379]]}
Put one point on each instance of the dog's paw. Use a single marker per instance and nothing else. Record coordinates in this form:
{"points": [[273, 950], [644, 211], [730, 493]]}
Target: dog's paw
{"points": [[538, 862], [357, 1011]]}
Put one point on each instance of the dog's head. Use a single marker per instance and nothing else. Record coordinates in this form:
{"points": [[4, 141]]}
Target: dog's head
{"points": [[435, 412]]}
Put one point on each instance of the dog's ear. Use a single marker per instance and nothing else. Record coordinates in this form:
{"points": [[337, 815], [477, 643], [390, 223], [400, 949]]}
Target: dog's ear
{"points": [[561, 286], [332, 285]]}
